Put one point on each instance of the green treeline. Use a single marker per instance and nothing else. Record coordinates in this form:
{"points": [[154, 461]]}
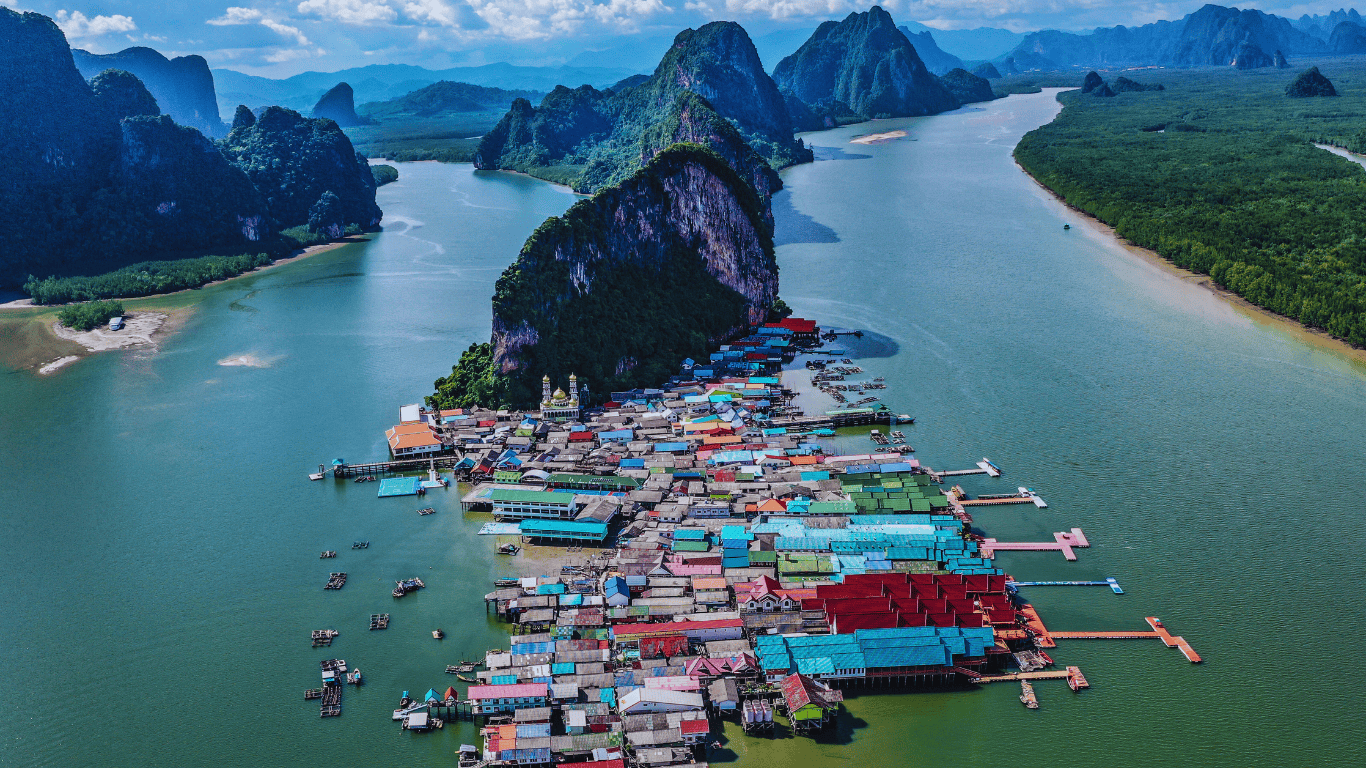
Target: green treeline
{"points": [[83, 317], [143, 279], [1220, 174], [152, 277]]}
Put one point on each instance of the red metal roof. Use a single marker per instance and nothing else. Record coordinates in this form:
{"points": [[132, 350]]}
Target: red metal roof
{"points": [[694, 726], [674, 627]]}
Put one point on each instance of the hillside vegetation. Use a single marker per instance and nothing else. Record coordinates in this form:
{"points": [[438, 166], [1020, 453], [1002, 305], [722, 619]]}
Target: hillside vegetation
{"points": [[1219, 174]]}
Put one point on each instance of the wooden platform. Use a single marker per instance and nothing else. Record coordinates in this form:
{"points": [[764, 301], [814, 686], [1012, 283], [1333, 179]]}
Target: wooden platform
{"points": [[1051, 674], [1062, 542], [1158, 631]]}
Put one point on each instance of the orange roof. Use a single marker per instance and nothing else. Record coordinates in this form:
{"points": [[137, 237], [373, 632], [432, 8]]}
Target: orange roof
{"points": [[709, 582], [772, 505], [407, 428], [411, 434], [722, 439], [803, 460]]}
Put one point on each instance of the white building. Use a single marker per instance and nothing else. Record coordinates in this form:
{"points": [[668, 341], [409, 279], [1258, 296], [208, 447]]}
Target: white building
{"points": [[644, 700]]}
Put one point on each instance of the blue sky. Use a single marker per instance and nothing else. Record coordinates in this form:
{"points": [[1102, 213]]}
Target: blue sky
{"points": [[277, 38]]}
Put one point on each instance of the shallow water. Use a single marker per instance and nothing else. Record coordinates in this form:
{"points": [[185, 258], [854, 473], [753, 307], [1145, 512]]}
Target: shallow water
{"points": [[161, 574]]}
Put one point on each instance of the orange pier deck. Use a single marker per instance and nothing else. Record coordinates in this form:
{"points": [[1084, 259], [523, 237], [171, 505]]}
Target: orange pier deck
{"points": [[1158, 631]]}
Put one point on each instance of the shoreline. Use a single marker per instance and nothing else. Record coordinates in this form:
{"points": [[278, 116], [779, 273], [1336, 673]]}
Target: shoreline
{"points": [[299, 255], [29, 340], [1311, 336]]}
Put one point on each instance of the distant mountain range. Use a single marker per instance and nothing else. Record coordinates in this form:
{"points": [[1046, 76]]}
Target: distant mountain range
{"points": [[1212, 36], [183, 86], [979, 44], [381, 82]]}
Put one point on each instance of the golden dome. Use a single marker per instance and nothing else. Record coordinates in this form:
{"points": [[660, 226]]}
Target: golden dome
{"points": [[559, 394]]}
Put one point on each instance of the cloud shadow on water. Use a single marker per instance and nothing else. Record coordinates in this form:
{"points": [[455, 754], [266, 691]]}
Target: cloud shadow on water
{"points": [[792, 226]]}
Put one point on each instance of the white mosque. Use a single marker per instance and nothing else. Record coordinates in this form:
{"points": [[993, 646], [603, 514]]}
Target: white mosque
{"points": [[558, 405]]}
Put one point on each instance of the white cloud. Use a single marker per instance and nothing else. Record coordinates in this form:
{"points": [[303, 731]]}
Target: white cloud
{"points": [[436, 12], [348, 11], [235, 16], [76, 24], [539, 19], [284, 30]]}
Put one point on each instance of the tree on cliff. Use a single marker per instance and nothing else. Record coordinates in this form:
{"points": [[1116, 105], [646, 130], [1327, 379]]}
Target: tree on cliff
{"points": [[326, 217]]}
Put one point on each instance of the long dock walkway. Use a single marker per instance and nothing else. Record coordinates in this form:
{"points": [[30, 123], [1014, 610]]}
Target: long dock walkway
{"points": [[1062, 542], [1110, 582], [1051, 674], [1158, 631]]}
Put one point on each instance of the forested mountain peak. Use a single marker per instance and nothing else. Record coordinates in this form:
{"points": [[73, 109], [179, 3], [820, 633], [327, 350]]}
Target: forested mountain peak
{"points": [[865, 65]]}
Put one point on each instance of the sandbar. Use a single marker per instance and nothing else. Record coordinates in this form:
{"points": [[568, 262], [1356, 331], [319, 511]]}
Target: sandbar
{"points": [[877, 138]]}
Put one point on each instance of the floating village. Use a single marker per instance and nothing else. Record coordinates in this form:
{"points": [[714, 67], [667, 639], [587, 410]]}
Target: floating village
{"points": [[720, 562]]}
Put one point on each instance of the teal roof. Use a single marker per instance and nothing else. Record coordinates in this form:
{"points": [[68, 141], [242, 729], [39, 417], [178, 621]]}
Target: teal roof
{"points": [[566, 528]]}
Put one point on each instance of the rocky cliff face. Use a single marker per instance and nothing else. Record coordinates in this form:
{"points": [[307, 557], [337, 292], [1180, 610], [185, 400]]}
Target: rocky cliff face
{"points": [[626, 284], [865, 64], [339, 106], [603, 130], [183, 86], [293, 160], [179, 190]]}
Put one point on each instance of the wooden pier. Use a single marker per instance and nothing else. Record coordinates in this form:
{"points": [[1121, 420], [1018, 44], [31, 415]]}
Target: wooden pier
{"points": [[1063, 542], [1158, 631], [1049, 674], [322, 637], [395, 465]]}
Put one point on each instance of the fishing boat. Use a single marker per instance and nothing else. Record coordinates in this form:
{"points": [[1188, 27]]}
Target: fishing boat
{"points": [[1027, 696], [509, 549], [466, 679], [354, 677], [438, 634]]}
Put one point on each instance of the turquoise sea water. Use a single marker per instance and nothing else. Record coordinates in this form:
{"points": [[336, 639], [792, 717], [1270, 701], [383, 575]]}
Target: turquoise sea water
{"points": [[160, 574]]}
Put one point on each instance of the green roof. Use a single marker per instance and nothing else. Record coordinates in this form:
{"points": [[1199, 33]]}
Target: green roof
{"points": [[831, 508], [691, 546], [762, 557], [538, 497]]}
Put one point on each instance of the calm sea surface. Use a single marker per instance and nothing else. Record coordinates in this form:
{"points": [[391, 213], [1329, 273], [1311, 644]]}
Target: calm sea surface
{"points": [[159, 574]]}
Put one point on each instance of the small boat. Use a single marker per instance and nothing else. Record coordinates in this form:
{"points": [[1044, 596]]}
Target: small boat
{"points": [[509, 549], [466, 679], [353, 677], [1067, 226], [1027, 696], [438, 634]]}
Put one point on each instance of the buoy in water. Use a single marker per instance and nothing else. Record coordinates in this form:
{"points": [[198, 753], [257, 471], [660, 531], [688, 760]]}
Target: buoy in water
{"points": [[1067, 226]]}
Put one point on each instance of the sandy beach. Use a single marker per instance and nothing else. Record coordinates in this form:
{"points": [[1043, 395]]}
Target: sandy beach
{"points": [[1293, 327], [31, 338], [878, 138]]}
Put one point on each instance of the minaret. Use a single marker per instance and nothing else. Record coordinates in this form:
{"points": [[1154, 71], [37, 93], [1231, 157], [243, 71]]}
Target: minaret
{"points": [[545, 390], [573, 389]]}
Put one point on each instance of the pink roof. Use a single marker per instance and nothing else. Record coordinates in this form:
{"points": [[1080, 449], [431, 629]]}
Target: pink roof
{"points": [[673, 683], [517, 690]]}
